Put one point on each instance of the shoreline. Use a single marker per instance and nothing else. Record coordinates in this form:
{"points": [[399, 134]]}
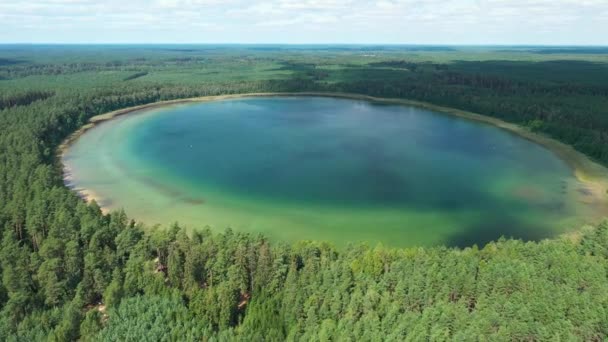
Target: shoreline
{"points": [[86, 195], [588, 172]]}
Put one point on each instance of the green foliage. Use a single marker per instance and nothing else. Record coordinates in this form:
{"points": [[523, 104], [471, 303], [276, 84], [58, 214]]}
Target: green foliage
{"points": [[152, 318], [91, 325], [71, 272], [114, 292], [535, 125]]}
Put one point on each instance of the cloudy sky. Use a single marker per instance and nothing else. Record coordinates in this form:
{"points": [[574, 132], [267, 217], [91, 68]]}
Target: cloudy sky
{"points": [[576, 22]]}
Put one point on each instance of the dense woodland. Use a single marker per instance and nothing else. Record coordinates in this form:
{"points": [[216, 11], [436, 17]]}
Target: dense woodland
{"points": [[70, 272]]}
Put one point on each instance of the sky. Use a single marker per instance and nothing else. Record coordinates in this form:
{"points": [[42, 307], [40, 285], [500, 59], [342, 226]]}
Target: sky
{"points": [[455, 22]]}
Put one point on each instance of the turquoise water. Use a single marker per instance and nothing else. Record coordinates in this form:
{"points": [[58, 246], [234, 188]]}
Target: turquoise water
{"points": [[327, 169]]}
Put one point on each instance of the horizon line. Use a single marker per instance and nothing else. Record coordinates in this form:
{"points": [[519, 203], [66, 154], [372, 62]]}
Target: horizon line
{"points": [[314, 44]]}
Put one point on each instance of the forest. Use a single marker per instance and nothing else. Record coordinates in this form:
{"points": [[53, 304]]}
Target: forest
{"points": [[71, 272]]}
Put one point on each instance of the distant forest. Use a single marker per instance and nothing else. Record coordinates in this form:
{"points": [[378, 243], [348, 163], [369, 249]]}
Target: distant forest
{"points": [[70, 272]]}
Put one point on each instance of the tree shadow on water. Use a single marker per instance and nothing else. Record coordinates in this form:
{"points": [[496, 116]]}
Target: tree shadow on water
{"points": [[493, 229]]}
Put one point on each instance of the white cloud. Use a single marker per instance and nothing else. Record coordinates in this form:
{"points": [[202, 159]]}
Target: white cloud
{"points": [[307, 21]]}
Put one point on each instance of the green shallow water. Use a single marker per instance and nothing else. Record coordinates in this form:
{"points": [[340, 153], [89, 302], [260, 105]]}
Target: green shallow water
{"points": [[327, 169]]}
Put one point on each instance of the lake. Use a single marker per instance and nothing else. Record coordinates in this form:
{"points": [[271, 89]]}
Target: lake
{"points": [[319, 168]]}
